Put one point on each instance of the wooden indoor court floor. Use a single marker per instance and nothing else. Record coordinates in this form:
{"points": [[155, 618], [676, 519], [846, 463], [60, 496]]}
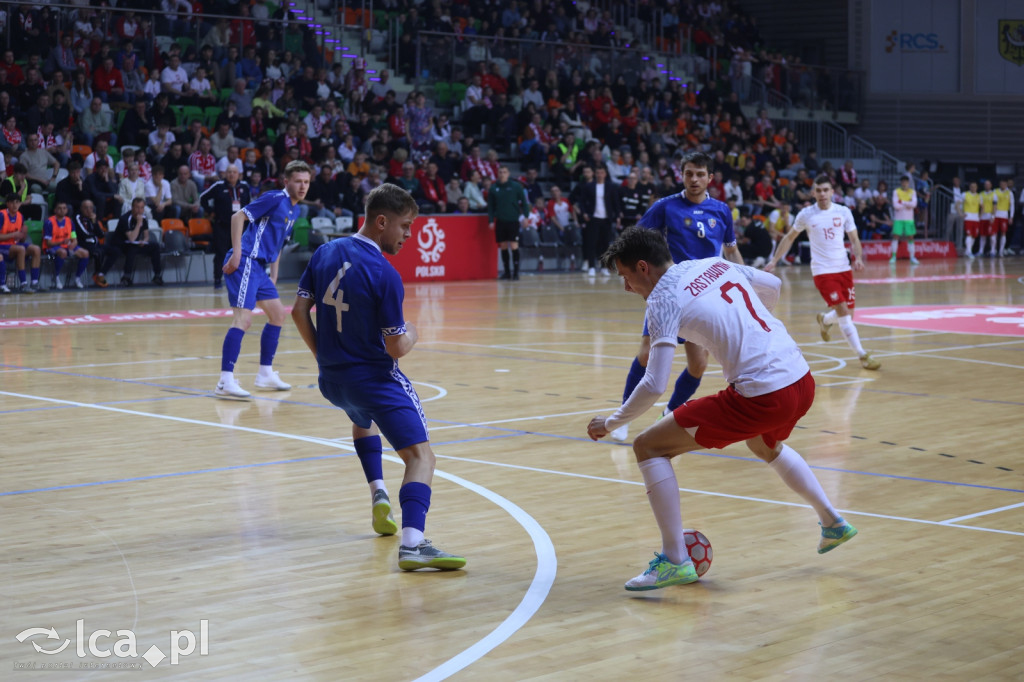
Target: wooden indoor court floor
{"points": [[132, 500]]}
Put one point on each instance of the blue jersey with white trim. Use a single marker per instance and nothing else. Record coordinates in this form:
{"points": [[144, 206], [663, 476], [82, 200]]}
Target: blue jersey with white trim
{"points": [[271, 217], [358, 296], [693, 231]]}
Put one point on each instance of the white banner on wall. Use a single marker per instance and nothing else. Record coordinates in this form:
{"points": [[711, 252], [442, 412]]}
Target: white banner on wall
{"points": [[915, 46], [999, 37]]}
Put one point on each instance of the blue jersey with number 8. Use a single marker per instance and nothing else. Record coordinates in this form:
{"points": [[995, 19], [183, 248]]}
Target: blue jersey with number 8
{"points": [[358, 296]]}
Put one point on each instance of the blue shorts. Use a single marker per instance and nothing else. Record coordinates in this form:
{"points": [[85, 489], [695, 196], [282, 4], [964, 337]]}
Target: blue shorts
{"points": [[248, 284], [680, 340], [5, 249], [52, 250], [387, 400]]}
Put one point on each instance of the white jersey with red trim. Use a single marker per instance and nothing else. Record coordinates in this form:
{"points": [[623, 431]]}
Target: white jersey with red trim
{"points": [[825, 229], [715, 304]]}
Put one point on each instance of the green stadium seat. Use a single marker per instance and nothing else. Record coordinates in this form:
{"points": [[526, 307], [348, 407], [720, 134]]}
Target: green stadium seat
{"points": [[35, 231], [191, 113], [211, 114], [443, 93], [300, 231]]}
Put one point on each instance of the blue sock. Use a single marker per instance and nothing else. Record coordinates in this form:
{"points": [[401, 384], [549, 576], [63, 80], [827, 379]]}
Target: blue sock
{"points": [[369, 452], [636, 373], [58, 266], [268, 344], [83, 263], [415, 500], [3, 270], [35, 274], [232, 347], [686, 386], [21, 276]]}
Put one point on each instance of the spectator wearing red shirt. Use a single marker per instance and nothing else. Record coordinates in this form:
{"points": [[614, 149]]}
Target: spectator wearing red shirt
{"points": [[765, 193], [433, 188], [495, 81], [15, 76], [476, 162], [203, 165], [107, 83]]}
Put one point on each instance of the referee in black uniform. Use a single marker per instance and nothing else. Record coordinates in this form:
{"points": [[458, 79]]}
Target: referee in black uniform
{"points": [[222, 200]]}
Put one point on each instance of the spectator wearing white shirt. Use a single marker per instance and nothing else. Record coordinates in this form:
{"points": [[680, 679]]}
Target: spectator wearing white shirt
{"points": [[533, 94], [864, 191], [174, 78], [230, 159], [131, 187], [161, 139], [222, 140], [733, 190], [200, 85], [99, 153]]}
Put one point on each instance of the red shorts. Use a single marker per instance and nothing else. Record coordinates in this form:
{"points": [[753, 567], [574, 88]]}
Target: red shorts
{"points": [[728, 417], [986, 228], [836, 288], [972, 227], [999, 225]]}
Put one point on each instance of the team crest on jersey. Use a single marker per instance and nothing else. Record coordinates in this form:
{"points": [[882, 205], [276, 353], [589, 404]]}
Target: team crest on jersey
{"points": [[837, 222], [688, 221], [1011, 40], [711, 222]]}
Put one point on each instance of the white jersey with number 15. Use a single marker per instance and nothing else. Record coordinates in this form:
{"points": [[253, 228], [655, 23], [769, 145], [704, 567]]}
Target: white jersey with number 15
{"points": [[826, 229], [715, 304]]}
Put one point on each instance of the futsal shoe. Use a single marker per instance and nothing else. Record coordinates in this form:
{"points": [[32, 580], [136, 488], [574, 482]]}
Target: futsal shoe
{"points": [[824, 328], [662, 573], [271, 382], [835, 536], [99, 280], [383, 521], [425, 555], [868, 362], [57, 283], [230, 390], [914, 261], [621, 433]]}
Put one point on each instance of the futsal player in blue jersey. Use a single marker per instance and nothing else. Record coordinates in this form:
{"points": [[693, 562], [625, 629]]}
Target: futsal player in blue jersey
{"points": [[270, 219], [695, 226], [359, 335]]}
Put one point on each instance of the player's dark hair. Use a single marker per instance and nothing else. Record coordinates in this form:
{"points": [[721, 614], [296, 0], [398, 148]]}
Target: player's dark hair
{"points": [[823, 179], [297, 167], [390, 199], [699, 159], [637, 244]]}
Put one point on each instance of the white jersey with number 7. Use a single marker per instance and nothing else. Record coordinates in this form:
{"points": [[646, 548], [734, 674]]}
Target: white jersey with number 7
{"points": [[716, 304]]}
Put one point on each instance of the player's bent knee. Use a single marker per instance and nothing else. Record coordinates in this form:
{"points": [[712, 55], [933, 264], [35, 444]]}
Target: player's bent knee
{"points": [[762, 450]]}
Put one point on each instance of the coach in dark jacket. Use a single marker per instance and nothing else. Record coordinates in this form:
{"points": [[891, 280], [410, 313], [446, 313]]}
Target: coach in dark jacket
{"points": [[600, 212], [224, 198]]}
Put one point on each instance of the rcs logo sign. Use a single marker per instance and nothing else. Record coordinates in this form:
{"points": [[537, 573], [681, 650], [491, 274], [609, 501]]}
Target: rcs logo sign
{"points": [[913, 42]]}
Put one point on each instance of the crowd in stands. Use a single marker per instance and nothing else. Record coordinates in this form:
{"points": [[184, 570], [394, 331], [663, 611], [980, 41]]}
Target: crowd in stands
{"points": [[104, 108]]}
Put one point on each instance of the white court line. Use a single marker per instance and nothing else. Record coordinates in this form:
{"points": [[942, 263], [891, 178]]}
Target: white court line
{"points": [[983, 513], [709, 493], [536, 594], [973, 361]]}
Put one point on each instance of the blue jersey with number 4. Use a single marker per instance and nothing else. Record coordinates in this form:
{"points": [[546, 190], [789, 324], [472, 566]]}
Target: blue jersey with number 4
{"points": [[693, 231], [358, 296]]}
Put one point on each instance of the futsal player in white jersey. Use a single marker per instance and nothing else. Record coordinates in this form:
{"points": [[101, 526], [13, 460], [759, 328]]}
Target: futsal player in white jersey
{"points": [[826, 223], [725, 308]]}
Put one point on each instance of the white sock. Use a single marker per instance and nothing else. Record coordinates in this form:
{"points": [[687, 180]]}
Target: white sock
{"points": [[266, 370], [226, 377], [411, 537], [969, 243], [910, 248], [377, 485], [663, 494], [895, 248], [795, 473], [831, 316], [1002, 243], [982, 243], [850, 332]]}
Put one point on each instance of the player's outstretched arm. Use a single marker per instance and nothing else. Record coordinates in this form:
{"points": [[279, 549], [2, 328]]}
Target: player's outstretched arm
{"points": [[647, 392], [399, 345], [766, 286], [857, 249], [304, 321], [781, 249]]}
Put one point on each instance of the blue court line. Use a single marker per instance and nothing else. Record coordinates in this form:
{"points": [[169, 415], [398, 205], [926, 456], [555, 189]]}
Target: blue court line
{"points": [[870, 473], [176, 474]]}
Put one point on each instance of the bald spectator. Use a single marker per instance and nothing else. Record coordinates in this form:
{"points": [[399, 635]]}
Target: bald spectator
{"points": [[41, 166], [95, 122], [185, 195]]}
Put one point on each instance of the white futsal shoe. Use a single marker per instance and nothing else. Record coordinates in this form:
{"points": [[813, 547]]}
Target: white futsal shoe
{"points": [[229, 389], [271, 381]]}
